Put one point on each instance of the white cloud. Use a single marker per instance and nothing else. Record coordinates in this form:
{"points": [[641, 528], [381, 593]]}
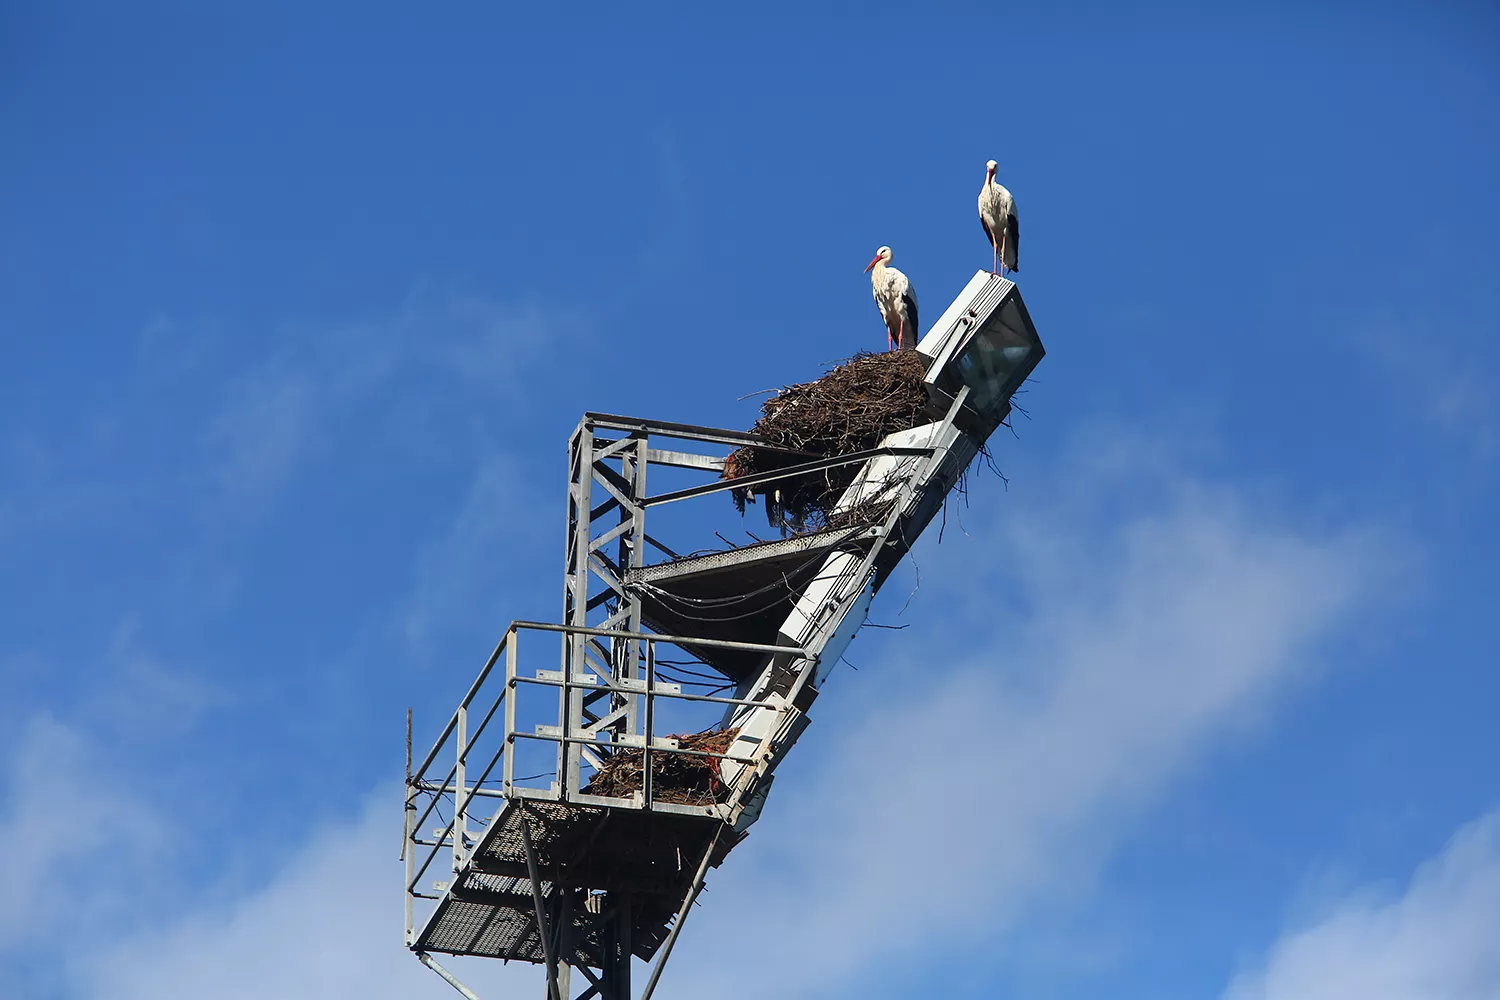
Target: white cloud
{"points": [[982, 791], [1439, 941], [328, 924], [61, 814]]}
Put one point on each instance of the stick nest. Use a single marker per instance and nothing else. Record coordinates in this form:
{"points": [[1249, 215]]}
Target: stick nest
{"points": [[851, 408], [675, 777]]}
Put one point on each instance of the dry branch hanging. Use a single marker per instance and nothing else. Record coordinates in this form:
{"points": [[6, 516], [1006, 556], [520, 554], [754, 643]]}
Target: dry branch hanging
{"points": [[675, 777], [851, 408]]}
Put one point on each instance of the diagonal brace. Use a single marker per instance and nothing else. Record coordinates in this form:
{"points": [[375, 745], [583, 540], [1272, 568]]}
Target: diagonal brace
{"points": [[448, 977], [541, 912], [687, 904]]}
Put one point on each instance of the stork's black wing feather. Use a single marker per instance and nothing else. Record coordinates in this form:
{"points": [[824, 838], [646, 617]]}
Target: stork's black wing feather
{"points": [[1012, 239], [913, 329]]}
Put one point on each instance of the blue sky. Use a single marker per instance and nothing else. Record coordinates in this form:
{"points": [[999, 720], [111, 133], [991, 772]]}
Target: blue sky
{"points": [[297, 309]]}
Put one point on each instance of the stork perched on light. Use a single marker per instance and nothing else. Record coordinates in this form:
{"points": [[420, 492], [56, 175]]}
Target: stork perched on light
{"points": [[997, 211], [897, 301]]}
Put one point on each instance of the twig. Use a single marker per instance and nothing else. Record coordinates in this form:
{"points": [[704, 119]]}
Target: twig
{"points": [[989, 460], [918, 585]]}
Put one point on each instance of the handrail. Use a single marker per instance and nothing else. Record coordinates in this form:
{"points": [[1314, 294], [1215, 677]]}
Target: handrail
{"points": [[676, 431], [680, 695], [671, 640], [683, 751], [463, 792], [473, 690]]}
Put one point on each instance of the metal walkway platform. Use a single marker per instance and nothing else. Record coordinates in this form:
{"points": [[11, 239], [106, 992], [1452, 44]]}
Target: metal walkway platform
{"points": [[649, 857]]}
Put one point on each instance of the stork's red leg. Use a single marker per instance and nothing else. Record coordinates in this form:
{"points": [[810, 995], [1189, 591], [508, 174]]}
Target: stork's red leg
{"points": [[995, 247]]}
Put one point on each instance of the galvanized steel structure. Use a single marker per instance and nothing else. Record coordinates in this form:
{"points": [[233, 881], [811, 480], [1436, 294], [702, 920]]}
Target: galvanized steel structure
{"points": [[499, 865]]}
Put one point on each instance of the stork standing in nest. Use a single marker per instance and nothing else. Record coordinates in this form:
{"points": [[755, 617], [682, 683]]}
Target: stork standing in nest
{"points": [[897, 301], [997, 211]]}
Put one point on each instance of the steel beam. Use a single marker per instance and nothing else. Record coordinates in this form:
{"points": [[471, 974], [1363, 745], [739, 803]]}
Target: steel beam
{"points": [[541, 910], [665, 428], [761, 478], [682, 913], [448, 977]]}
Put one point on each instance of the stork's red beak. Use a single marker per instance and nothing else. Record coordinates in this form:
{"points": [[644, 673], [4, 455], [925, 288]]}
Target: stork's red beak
{"points": [[872, 263]]}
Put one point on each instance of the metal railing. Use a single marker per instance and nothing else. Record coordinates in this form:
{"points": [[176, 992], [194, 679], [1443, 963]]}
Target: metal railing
{"points": [[470, 777]]}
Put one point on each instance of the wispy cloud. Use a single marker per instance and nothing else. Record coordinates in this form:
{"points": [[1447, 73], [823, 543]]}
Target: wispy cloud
{"points": [[263, 428], [216, 423], [85, 845], [136, 691], [328, 924], [322, 384], [1436, 941], [1451, 380], [62, 815], [462, 561]]}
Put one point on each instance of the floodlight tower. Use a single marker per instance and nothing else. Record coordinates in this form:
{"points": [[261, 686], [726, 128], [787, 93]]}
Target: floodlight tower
{"points": [[579, 875]]}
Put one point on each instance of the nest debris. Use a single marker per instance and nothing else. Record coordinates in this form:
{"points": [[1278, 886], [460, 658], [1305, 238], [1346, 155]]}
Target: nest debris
{"points": [[675, 777], [851, 408]]}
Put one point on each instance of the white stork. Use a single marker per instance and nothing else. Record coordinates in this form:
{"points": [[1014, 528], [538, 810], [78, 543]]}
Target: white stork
{"points": [[997, 211], [897, 301]]}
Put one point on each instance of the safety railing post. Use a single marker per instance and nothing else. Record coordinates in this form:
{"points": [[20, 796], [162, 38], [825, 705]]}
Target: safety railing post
{"points": [[648, 726], [408, 848], [508, 748], [461, 810]]}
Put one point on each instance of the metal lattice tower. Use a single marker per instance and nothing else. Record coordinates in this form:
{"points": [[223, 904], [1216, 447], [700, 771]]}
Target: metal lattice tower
{"points": [[563, 875]]}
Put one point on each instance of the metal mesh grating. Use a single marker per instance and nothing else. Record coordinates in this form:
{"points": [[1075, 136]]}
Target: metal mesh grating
{"points": [[464, 928]]}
